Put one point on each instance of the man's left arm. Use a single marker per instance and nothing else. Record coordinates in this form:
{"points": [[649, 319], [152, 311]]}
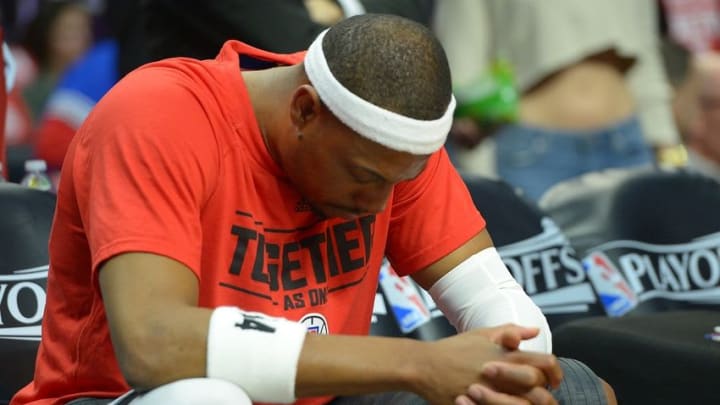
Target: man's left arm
{"points": [[441, 240], [474, 289]]}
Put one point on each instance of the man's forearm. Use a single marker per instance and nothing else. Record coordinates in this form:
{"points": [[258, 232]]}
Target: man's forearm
{"points": [[332, 364], [349, 365], [328, 364]]}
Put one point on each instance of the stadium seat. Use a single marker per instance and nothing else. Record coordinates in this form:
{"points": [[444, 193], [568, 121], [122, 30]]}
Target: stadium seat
{"points": [[654, 233], [650, 241], [25, 220]]}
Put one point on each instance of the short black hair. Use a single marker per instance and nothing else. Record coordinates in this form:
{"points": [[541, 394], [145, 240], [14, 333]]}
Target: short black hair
{"points": [[392, 62]]}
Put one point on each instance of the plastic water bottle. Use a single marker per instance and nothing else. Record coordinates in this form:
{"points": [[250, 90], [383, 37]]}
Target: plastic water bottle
{"points": [[36, 176], [492, 98]]}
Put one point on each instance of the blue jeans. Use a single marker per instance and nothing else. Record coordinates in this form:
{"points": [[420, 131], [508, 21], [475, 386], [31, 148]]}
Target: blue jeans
{"points": [[535, 159]]}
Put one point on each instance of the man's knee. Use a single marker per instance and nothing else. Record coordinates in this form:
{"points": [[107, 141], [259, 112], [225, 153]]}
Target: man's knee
{"points": [[195, 391], [582, 386], [609, 392]]}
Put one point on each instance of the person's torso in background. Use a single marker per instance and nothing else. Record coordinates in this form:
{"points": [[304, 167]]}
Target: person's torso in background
{"points": [[585, 95], [571, 57]]}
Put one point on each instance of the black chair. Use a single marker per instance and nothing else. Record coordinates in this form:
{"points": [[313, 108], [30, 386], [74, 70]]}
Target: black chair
{"points": [[653, 358], [650, 241], [25, 220], [536, 251], [15, 164], [659, 231]]}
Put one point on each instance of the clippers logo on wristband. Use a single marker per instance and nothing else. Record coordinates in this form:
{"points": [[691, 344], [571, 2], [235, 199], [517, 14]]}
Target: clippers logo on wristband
{"points": [[255, 322], [264, 364], [315, 323]]}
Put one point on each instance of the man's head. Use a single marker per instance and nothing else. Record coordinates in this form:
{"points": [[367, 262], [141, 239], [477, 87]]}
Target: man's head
{"points": [[378, 102], [391, 62]]}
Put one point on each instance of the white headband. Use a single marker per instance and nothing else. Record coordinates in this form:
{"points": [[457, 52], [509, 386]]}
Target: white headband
{"points": [[387, 128]]}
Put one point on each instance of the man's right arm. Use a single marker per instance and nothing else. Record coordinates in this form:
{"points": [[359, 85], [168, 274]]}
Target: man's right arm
{"points": [[160, 335]]}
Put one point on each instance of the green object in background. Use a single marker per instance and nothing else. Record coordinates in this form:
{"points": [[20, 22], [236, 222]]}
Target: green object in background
{"points": [[492, 99]]}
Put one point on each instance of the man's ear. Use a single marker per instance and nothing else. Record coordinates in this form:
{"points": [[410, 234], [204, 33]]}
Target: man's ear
{"points": [[305, 106]]}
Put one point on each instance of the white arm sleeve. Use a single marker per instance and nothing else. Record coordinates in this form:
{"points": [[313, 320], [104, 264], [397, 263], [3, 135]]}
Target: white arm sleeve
{"points": [[480, 292]]}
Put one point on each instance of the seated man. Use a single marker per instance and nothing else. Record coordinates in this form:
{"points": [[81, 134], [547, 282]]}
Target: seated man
{"points": [[209, 218]]}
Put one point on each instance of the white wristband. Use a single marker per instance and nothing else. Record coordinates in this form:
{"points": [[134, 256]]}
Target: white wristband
{"points": [[257, 352]]}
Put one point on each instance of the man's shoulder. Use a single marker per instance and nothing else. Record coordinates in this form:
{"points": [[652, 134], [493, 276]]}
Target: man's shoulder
{"points": [[167, 74], [169, 89], [155, 106]]}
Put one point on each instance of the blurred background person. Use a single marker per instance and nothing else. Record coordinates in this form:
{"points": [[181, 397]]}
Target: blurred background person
{"points": [[45, 38], [701, 131], [148, 30], [59, 35], [692, 54], [591, 88], [198, 29], [86, 80]]}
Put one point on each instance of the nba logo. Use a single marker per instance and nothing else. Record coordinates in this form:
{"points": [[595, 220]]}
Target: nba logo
{"points": [[615, 294], [405, 301]]}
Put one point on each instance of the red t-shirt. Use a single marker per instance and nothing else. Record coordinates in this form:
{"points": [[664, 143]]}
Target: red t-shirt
{"points": [[171, 162]]}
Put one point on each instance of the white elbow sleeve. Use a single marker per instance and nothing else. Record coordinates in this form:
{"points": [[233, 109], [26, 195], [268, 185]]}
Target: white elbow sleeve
{"points": [[480, 292]]}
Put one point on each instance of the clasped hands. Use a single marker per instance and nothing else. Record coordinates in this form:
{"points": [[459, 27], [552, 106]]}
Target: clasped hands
{"points": [[485, 367]]}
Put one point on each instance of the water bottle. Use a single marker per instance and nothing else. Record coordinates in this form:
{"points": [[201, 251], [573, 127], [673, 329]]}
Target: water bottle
{"points": [[36, 176], [492, 98]]}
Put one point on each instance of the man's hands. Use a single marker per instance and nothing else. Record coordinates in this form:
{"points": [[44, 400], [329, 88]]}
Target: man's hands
{"points": [[483, 367]]}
